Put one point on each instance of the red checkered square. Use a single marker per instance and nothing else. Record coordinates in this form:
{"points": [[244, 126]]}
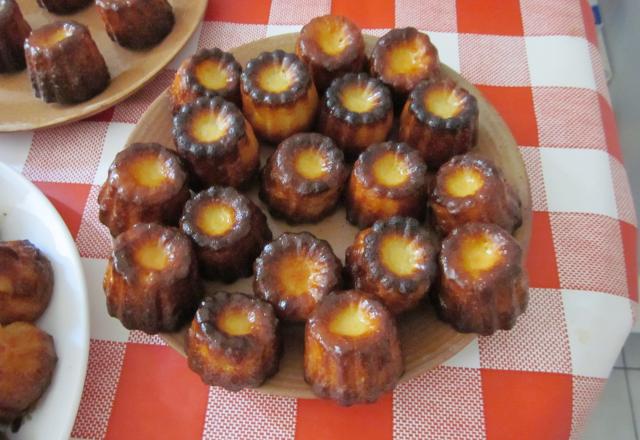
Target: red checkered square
{"points": [[69, 200], [630, 246], [444, 403], [541, 330], [598, 73], [134, 107], [610, 128], [66, 154], [94, 240], [238, 11], [376, 13], [588, 21], [429, 15], [588, 252], [533, 164], [227, 36], [515, 105], [103, 373], [492, 17], [586, 392], [541, 259], [622, 190], [104, 116], [563, 120], [494, 60], [284, 12], [551, 18], [248, 414]]}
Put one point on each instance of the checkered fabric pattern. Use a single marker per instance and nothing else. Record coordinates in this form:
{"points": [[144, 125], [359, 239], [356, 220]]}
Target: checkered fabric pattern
{"points": [[538, 63]]}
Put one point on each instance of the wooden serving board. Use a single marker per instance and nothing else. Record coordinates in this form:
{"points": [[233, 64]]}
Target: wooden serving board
{"points": [[130, 70], [426, 341]]}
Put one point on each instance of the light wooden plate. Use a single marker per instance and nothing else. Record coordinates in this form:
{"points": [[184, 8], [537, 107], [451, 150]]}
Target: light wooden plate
{"points": [[426, 341], [130, 70]]}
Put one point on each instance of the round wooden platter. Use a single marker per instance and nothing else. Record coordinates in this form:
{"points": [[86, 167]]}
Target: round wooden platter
{"points": [[130, 70], [426, 341]]}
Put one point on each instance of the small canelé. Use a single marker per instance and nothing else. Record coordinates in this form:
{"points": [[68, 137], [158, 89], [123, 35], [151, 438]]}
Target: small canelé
{"points": [[13, 31]]}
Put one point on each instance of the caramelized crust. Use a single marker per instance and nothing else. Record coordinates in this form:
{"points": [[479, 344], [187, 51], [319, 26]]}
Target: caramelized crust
{"points": [[469, 189], [394, 260], [13, 31], [402, 58], [233, 341], [388, 179], [356, 112], [229, 231], [217, 142], [147, 183], [64, 63], [440, 119], [136, 24], [331, 46], [209, 73], [303, 180], [27, 361], [63, 6], [352, 352], [483, 287], [278, 95], [26, 282], [152, 281], [294, 272]]}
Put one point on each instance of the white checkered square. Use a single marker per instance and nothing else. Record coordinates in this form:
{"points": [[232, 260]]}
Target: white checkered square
{"points": [[533, 164], [282, 11], [189, 49], [14, 148], [448, 48], [138, 337], [115, 141], [560, 61], [94, 239], [597, 324], [551, 18], [622, 190], [494, 60], [229, 35], [432, 15], [468, 357], [279, 29]]}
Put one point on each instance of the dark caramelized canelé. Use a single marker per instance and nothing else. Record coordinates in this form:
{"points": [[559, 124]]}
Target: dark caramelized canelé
{"points": [[402, 58], [147, 183], [209, 73], [303, 180], [483, 287], [13, 31], [27, 361], [63, 6], [331, 46], [356, 112], [351, 348], [229, 231], [395, 260], [278, 95], [26, 282], [65, 65], [440, 119], [233, 341], [469, 189], [388, 179], [136, 24], [152, 281], [217, 142], [294, 272]]}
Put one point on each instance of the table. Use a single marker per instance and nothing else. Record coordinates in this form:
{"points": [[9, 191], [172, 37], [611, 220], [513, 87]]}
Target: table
{"points": [[538, 63]]}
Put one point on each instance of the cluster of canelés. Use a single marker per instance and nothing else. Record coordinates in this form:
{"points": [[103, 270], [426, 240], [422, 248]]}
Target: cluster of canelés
{"points": [[352, 352]]}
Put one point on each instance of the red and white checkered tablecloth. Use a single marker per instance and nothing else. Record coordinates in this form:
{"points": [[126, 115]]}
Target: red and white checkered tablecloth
{"points": [[538, 63]]}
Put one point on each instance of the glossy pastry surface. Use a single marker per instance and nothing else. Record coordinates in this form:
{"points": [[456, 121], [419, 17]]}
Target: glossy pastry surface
{"points": [[63, 6], [13, 31]]}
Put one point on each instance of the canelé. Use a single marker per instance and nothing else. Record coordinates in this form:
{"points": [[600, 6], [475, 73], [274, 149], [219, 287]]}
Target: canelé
{"points": [[64, 63], [351, 350], [356, 112], [388, 179], [209, 73], [395, 260], [13, 31], [402, 58], [136, 24], [440, 119], [229, 231], [295, 272], [147, 183], [233, 341], [63, 6], [27, 361], [26, 282], [483, 287], [278, 95], [152, 282], [331, 46], [303, 180], [469, 188], [217, 142]]}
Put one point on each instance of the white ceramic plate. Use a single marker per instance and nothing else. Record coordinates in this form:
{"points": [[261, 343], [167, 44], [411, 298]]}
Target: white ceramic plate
{"points": [[25, 213]]}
